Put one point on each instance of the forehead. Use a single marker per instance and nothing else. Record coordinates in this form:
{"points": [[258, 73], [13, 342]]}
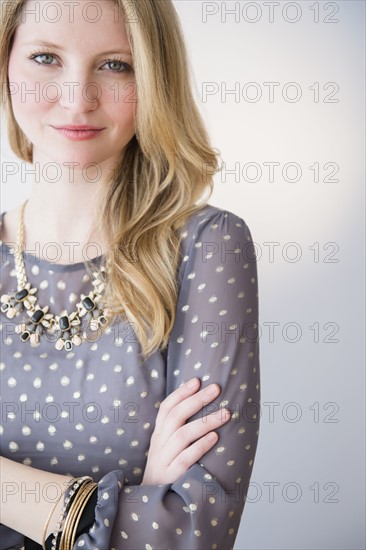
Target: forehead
{"points": [[74, 22]]}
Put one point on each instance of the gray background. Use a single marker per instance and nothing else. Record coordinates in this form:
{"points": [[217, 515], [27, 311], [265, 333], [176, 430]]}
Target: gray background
{"points": [[307, 488]]}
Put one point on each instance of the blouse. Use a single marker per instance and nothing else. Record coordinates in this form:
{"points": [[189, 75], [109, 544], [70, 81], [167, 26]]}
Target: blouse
{"points": [[92, 410]]}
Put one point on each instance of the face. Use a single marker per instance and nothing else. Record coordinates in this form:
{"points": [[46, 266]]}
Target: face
{"points": [[72, 81]]}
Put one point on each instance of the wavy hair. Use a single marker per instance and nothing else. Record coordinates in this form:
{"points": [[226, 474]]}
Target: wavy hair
{"points": [[160, 180]]}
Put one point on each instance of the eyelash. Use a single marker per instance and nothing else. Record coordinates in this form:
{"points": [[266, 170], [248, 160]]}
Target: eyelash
{"points": [[33, 55]]}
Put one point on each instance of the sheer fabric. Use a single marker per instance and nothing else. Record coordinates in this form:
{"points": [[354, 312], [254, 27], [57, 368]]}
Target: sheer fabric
{"points": [[92, 411]]}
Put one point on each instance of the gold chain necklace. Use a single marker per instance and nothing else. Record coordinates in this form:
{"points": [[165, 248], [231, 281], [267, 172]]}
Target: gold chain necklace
{"points": [[65, 328]]}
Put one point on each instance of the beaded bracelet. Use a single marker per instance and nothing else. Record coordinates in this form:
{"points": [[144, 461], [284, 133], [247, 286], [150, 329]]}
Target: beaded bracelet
{"points": [[74, 489]]}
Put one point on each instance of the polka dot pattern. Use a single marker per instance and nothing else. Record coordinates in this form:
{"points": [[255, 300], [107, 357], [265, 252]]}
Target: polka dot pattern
{"points": [[92, 411]]}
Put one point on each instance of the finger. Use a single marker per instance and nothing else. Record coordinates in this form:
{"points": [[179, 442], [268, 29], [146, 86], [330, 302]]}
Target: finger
{"points": [[191, 432], [179, 415], [178, 395], [191, 455]]}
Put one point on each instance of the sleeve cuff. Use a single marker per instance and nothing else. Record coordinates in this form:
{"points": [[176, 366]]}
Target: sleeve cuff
{"points": [[99, 534]]}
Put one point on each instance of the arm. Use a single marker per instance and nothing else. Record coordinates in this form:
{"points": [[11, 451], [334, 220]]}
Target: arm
{"points": [[25, 490], [23, 487], [215, 338]]}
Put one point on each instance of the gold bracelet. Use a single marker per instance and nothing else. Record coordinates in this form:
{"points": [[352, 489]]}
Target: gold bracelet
{"points": [[89, 492], [51, 514], [71, 514], [72, 488], [68, 512], [69, 518]]}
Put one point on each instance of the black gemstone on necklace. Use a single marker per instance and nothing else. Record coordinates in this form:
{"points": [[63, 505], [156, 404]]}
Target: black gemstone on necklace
{"points": [[37, 316], [68, 345], [24, 336], [21, 295], [88, 304], [64, 323], [4, 307]]}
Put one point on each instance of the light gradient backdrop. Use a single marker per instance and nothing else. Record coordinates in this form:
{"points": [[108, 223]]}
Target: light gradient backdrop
{"points": [[307, 220]]}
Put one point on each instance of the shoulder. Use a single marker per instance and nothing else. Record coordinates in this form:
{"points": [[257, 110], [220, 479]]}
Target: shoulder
{"points": [[212, 237], [214, 224]]}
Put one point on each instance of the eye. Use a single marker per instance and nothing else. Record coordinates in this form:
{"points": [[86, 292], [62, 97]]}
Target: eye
{"points": [[44, 58], [118, 66]]}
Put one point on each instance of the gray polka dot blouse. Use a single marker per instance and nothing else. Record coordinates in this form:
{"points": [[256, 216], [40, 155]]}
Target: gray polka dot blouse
{"points": [[91, 411]]}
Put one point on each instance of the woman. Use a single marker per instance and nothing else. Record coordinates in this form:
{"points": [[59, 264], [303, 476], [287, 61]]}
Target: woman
{"points": [[130, 364]]}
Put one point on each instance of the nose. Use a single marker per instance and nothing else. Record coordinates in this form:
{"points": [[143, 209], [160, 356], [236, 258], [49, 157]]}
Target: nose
{"points": [[80, 95]]}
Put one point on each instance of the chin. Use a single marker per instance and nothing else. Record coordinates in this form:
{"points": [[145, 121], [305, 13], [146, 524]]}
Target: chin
{"points": [[80, 160]]}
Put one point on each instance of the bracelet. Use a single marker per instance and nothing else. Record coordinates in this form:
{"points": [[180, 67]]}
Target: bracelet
{"points": [[75, 487], [82, 508], [86, 522], [51, 513], [70, 514], [75, 514]]}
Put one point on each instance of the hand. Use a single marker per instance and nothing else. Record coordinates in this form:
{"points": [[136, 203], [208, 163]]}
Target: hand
{"points": [[175, 446]]}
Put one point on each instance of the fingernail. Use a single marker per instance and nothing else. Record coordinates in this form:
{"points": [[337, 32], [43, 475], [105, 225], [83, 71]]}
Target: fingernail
{"points": [[211, 436], [211, 389], [191, 383], [223, 414]]}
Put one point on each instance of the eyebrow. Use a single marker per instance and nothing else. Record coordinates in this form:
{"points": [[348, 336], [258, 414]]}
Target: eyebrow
{"points": [[57, 47]]}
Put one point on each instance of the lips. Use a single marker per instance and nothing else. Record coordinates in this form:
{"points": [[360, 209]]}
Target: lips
{"points": [[78, 128], [81, 132]]}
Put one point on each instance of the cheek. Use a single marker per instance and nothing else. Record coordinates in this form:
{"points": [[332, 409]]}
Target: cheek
{"points": [[27, 94], [120, 100], [126, 119], [122, 93]]}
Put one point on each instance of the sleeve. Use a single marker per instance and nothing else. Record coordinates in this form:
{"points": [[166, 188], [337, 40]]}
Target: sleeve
{"points": [[10, 539], [215, 337]]}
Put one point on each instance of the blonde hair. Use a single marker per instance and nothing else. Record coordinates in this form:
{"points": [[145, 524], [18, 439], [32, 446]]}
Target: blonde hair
{"points": [[159, 182]]}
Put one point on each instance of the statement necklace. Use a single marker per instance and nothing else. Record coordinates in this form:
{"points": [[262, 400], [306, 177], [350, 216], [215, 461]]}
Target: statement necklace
{"points": [[65, 328]]}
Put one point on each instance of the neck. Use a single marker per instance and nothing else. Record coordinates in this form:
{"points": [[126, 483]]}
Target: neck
{"points": [[64, 212]]}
